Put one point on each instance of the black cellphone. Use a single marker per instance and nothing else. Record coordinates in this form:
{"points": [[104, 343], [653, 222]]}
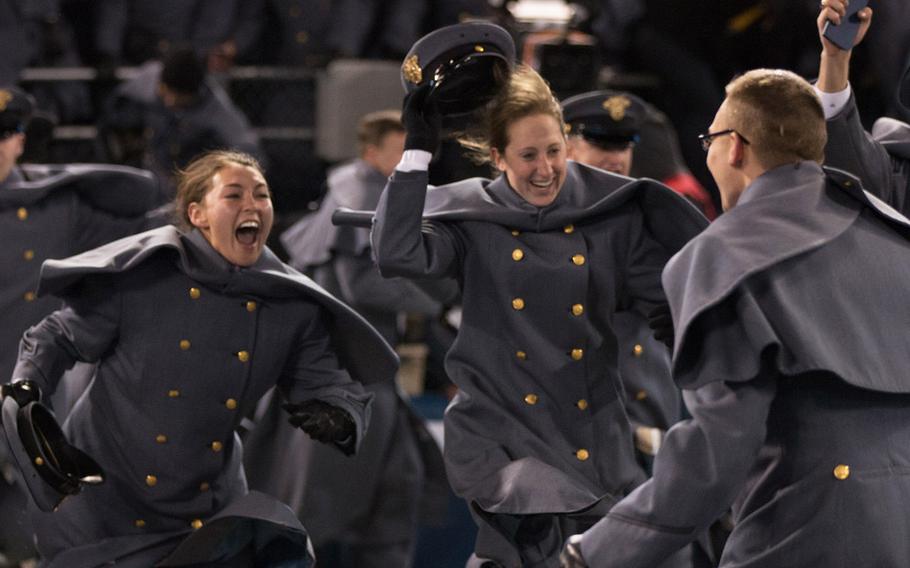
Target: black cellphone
{"points": [[842, 35]]}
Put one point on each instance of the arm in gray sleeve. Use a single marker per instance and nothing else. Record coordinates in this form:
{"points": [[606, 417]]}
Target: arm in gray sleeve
{"points": [[364, 287], [700, 469], [313, 371], [83, 330], [852, 149], [403, 244]]}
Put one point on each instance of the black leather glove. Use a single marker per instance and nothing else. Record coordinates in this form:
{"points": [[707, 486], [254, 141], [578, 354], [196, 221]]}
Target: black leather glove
{"points": [[23, 391], [571, 557], [421, 120], [322, 421], [661, 323]]}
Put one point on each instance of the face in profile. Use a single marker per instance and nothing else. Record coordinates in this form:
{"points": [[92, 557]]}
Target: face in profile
{"points": [[722, 159], [534, 159], [615, 158], [386, 155], [11, 147], [235, 215]]}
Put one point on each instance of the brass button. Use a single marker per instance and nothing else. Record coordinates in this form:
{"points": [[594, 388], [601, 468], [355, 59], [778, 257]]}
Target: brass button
{"points": [[521, 355], [582, 404], [161, 438], [638, 350], [29, 297], [302, 37], [531, 398], [842, 472], [22, 213], [173, 393], [518, 304], [848, 183], [195, 293], [217, 446], [28, 254], [151, 480], [568, 229], [244, 356], [515, 232], [251, 306], [204, 486], [578, 259], [230, 403], [196, 524], [641, 395], [184, 344], [582, 454], [517, 255], [577, 354], [139, 523], [39, 461], [577, 309]]}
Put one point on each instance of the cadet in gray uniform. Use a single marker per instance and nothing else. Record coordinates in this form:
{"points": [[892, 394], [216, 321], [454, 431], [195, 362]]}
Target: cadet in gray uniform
{"points": [[536, 440], [880, 159], [791, 357], [49, 212], [189, 329]]}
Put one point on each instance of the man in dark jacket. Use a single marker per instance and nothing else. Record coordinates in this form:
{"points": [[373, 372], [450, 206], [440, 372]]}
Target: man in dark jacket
{"points": [[791, 364]]}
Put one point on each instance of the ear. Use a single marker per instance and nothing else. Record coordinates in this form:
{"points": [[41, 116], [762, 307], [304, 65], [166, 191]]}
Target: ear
{"points": [[497, 159], [198, 215], [736, 152]]}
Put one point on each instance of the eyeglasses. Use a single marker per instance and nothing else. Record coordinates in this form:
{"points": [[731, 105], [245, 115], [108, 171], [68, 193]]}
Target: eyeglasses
{"points": [[709, 137]]}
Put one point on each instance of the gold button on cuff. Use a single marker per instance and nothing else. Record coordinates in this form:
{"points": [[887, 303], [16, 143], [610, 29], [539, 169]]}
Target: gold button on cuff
{"points": [[582, 454], [244, 356], [184, 344], [842, 472], [638, 350], [515, 232], [641, 395], [196, 524], [28, 254], [577, 354], [230, 404], [521, 355], [568, 229], [251, 306], [139, 523], [582, 404], [577, 309], [517, 255], [22, 213], [173, 393], [39, 461], [161, 439], [578, 259], [531, 398], [204, 486], [195, 293], [518, 304], [151, 480], [217, 446], [29, 297]]}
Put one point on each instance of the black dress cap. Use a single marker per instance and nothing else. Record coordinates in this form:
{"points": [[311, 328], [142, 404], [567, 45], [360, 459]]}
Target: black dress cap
{"points": [[605, 118], [465, 64]]}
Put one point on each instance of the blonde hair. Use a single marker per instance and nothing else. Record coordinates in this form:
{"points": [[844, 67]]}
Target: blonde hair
{"points": [[780, 115], [195, 181], [525, 94]]}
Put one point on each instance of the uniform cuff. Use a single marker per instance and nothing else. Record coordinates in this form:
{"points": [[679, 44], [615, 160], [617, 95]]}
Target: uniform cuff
{"points": [[414, 161], [833, 103]]}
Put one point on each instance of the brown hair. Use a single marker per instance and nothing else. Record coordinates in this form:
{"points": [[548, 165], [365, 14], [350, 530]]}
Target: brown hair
{"points": [[373, 128], [526, 93], [780, 115], [194, 181]]}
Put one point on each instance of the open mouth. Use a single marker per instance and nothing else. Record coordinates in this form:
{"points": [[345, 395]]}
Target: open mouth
{"points": [[542, 184], [248, 232]]}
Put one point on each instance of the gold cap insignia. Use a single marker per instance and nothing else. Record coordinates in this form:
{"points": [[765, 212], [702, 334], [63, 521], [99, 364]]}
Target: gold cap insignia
{"points": [[5, 98], [479, 48], [617, 106], [411, 70]]}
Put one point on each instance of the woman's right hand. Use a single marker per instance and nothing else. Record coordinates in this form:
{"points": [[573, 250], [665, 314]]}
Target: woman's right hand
{"points": [[421, 120]]}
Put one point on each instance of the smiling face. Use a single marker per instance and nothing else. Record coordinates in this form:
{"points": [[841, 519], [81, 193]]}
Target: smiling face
{"points": [[534, 158], [235, 215]]}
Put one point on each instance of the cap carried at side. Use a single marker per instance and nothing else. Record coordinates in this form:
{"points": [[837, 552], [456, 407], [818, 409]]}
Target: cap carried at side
{"points": [[465, 64], [16, 107], [605, 118]]}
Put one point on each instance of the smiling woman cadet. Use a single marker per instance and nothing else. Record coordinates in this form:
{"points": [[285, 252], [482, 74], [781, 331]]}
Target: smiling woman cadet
{"points": [[190, 327], [536, 440]]}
